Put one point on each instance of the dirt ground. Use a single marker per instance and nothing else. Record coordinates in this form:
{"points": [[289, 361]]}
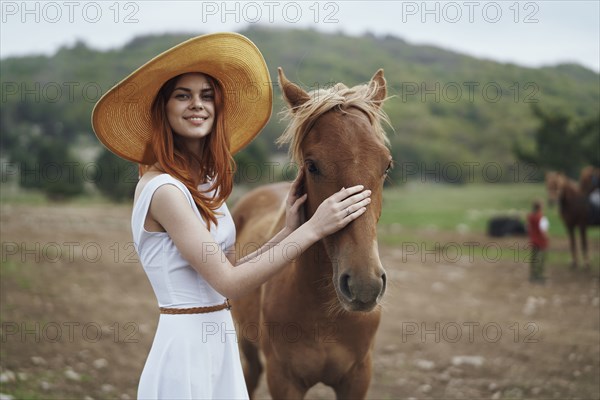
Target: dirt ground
{"points": [[78, 316]]}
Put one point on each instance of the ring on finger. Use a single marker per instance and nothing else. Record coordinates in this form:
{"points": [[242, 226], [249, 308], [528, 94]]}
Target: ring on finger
{"points": [[348, 211]]}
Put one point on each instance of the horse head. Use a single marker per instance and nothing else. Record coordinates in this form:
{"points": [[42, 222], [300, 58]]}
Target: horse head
{"points": [[336, 134], [554, 184]]}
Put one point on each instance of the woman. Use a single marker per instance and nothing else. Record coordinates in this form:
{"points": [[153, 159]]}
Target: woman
{"points": [[183, 115]]}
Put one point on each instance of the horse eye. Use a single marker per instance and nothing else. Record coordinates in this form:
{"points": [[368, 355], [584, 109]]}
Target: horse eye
{"points": [[312, 167], [389, 168]]}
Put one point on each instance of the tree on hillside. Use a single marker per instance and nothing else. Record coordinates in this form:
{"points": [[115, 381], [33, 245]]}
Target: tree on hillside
{"points": [[49, 165], [589, 133], [561, 144], [116, 177], [252, 164]]}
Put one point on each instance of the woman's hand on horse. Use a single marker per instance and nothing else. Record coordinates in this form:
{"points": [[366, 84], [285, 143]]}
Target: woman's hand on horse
{"points": [[339, 209], [294, 213]]}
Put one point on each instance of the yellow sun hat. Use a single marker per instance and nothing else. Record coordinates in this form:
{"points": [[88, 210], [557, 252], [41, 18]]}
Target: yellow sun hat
{"points": [[122, 119]]}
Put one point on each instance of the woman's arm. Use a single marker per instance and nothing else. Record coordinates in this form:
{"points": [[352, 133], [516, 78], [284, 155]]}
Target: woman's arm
{"points": [[171, 209], [282, 234]]}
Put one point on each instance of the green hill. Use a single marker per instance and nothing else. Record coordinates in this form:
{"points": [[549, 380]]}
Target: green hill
{"points": [[447, 107]]}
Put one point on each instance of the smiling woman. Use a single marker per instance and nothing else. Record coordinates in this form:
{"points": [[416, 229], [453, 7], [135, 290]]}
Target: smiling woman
{"points": [[185, 119], [185, 110], [190, 107]]}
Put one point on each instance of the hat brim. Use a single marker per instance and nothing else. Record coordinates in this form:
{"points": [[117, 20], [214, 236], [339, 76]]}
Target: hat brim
{"points": [[121, 119]]}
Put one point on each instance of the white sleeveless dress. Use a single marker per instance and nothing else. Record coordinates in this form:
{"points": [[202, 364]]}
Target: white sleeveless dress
{"points": [[193, 356]]}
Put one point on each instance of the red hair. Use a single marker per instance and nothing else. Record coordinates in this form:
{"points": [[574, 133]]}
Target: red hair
{"points": [[215, 164]]}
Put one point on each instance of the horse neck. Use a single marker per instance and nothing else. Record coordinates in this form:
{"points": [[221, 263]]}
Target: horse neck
{"points": [[570, 197], [314, 271], [570, 188]]}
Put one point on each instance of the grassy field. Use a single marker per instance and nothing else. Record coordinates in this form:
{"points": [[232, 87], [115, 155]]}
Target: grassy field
{"points": [[106, 311], [412, 206], [435, 215], [431, 216], [462, 208]]}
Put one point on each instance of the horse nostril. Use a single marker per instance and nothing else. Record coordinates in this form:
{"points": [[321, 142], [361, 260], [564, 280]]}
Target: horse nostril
{"points": [[383, 284], [345, 286]]}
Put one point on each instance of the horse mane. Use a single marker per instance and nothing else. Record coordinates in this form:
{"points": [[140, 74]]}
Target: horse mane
{"points": [[567, 184], [562, 181], [320, 101]]}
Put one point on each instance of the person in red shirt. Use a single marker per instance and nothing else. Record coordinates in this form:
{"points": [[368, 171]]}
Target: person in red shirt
{"points": [[537, 225]]}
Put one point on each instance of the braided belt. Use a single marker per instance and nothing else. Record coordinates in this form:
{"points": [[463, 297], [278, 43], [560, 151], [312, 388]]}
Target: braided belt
{"points": [[197, 310]]}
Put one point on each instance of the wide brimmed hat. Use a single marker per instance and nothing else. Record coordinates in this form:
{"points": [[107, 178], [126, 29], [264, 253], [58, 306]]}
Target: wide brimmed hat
{"points": [[122, 118]]}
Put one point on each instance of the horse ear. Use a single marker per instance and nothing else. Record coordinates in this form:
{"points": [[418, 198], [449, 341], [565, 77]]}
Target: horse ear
{"points": [[292, 93], [379, 85]]}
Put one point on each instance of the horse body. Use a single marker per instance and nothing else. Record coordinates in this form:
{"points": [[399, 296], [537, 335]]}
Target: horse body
{"points": [[574, 208], [303, 343], [316, 320]]}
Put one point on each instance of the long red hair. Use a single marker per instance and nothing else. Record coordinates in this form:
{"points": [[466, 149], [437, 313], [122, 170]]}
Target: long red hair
{"points": [[215, 164]]}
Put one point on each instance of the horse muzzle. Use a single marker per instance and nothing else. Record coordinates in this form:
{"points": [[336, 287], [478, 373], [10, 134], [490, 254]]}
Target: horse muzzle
{"points": [[361, 294]]}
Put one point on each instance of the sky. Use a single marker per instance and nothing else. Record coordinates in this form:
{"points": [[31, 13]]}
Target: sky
{"points": [[527, 33]]}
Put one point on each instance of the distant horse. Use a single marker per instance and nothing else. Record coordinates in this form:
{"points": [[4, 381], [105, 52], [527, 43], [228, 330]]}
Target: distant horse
{"points": [[316, 320], [575, 210]]}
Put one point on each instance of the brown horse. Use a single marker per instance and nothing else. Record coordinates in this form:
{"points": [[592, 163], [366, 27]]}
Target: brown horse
{"points": [[574, 208], [316, 320]]}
